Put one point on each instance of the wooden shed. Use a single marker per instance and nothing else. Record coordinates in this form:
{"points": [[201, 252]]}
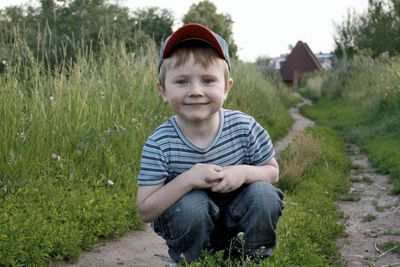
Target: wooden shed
{"points": [[300, 60]]}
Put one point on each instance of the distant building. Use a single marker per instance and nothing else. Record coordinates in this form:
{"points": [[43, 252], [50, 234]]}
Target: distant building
{"points": [[300, 60]]}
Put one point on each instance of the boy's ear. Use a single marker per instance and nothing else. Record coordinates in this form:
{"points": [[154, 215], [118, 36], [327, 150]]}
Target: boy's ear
{"points": [[228, 87], [161, 90]]}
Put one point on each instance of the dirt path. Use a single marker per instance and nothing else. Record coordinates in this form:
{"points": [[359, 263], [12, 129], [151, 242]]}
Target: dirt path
{"points": [[372, 216]]}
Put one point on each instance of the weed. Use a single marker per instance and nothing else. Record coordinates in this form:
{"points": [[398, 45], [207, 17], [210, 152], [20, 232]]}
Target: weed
{"points": [[364, 179], [297, 159], [350, 197], [379, 208], [395, 233], [368, 218], [392, 246]]}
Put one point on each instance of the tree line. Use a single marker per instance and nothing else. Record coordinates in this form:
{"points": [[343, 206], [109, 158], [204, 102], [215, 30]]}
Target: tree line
{"points": [[54, 31]]}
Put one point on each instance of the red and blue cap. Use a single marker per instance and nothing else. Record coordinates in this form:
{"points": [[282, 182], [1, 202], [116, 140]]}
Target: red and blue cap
{"points": [[194, 31]]}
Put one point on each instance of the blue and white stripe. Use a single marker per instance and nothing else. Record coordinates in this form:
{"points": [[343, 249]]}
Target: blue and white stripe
{"points": [[167, 153]]}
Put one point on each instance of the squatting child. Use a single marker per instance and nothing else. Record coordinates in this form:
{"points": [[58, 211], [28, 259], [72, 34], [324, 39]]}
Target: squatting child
{"points": [[206, 172]]}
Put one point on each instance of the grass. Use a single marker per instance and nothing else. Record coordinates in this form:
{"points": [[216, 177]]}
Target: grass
{"points": [[361, 99], [392, 246], [363, 179], [368, 218], [70, 146], [308, 227], [297, 160]]}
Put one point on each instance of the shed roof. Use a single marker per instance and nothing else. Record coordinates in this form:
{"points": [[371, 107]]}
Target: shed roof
{"points": [[300, 60]]}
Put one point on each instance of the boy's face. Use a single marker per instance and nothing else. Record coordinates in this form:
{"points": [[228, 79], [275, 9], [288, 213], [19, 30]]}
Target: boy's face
{"points": [[195, 93]]}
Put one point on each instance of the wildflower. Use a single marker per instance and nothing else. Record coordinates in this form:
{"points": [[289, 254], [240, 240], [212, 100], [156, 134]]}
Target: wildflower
{"points": [[51, 98], [55, 157], [241, 236], [110, 182]]}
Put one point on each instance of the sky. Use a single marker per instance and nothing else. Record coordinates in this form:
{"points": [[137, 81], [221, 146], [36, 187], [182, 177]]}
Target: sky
{"points": [[263, 27]]}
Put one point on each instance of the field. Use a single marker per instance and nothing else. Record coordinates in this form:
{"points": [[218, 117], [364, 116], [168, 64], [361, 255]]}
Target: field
{"points": [[70, 147], [71, 139]]}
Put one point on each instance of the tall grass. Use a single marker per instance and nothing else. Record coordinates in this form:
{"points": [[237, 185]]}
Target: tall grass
{"points": [[71, 143], [297, 159], [361, 98]]}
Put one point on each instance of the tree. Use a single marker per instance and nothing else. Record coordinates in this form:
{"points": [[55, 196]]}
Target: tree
{"points": [[205, 13], [378, 30], [155, 22]]}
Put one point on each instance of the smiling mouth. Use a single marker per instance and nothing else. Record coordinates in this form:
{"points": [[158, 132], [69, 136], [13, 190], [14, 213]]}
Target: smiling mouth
{"points": [[195, 104]]}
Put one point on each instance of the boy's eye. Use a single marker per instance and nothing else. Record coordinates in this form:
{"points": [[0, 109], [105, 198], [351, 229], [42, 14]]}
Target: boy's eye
{"points": [[181, 82], [207, 81]]}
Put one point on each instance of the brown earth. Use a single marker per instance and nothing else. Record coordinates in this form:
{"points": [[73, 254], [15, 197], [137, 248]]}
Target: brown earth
{"points": [[372, 217], [145, 248]]}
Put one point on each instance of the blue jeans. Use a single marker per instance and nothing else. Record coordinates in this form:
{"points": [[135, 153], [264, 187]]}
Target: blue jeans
{"points": [[203, 220]]}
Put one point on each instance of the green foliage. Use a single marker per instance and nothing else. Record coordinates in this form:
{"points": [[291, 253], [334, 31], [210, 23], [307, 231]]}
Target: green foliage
{"points": [[155, 22], [310, 84], [55, 30], [308, 226], [205, 12], [259, 96], [70, 153], [297, 159], [361, 98], [71, 144], [392, 246], [377, 30]]}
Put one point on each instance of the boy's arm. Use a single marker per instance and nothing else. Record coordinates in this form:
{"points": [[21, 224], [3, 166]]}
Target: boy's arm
{"points": [[152, 201], [237, 175]]}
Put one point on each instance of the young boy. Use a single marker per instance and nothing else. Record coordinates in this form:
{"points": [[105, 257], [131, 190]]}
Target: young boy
{"points": [[206, 172]]}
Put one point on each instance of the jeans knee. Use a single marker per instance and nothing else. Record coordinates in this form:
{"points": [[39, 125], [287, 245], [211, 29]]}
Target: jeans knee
{"points": [[194, 212], [265, 198]]}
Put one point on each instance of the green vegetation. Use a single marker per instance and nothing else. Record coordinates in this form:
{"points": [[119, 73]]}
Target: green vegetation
{"points": [[368, 218], [390, 246], [375, 30], [361, 99], [309, 224], [71, 143], [364, 179], [308, 227]]}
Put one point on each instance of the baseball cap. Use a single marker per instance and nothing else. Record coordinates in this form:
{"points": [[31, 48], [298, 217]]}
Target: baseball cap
{"points": [[194, 31]]}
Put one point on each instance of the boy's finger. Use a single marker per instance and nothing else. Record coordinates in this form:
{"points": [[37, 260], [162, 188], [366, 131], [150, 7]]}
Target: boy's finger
{"points": [[217, 168], [216, 179]]}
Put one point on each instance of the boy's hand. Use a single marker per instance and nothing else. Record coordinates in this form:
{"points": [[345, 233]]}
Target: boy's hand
{"points": [[204, 175], [232, 178]]}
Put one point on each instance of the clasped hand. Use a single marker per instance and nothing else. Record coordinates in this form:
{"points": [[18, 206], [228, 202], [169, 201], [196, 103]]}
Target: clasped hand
{"points": [[218, 179]]}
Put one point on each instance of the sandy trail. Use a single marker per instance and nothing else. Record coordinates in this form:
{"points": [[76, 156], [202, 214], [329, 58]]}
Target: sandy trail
{"points": [[371, 220]]}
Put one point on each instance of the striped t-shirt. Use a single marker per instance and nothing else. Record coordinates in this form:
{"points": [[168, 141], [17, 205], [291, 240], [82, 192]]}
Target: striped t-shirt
{"points": [[167, 153]]}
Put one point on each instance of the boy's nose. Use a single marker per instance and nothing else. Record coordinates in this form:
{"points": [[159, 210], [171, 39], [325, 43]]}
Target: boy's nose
{"points": [[196, 90]]}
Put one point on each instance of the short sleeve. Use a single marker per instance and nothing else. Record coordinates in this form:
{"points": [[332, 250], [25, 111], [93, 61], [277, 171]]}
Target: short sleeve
{"points": [[154, 165], [259, 145]]}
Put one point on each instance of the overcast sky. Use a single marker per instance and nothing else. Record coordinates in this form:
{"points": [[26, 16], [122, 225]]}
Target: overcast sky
{"points": [[264, 27]]}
